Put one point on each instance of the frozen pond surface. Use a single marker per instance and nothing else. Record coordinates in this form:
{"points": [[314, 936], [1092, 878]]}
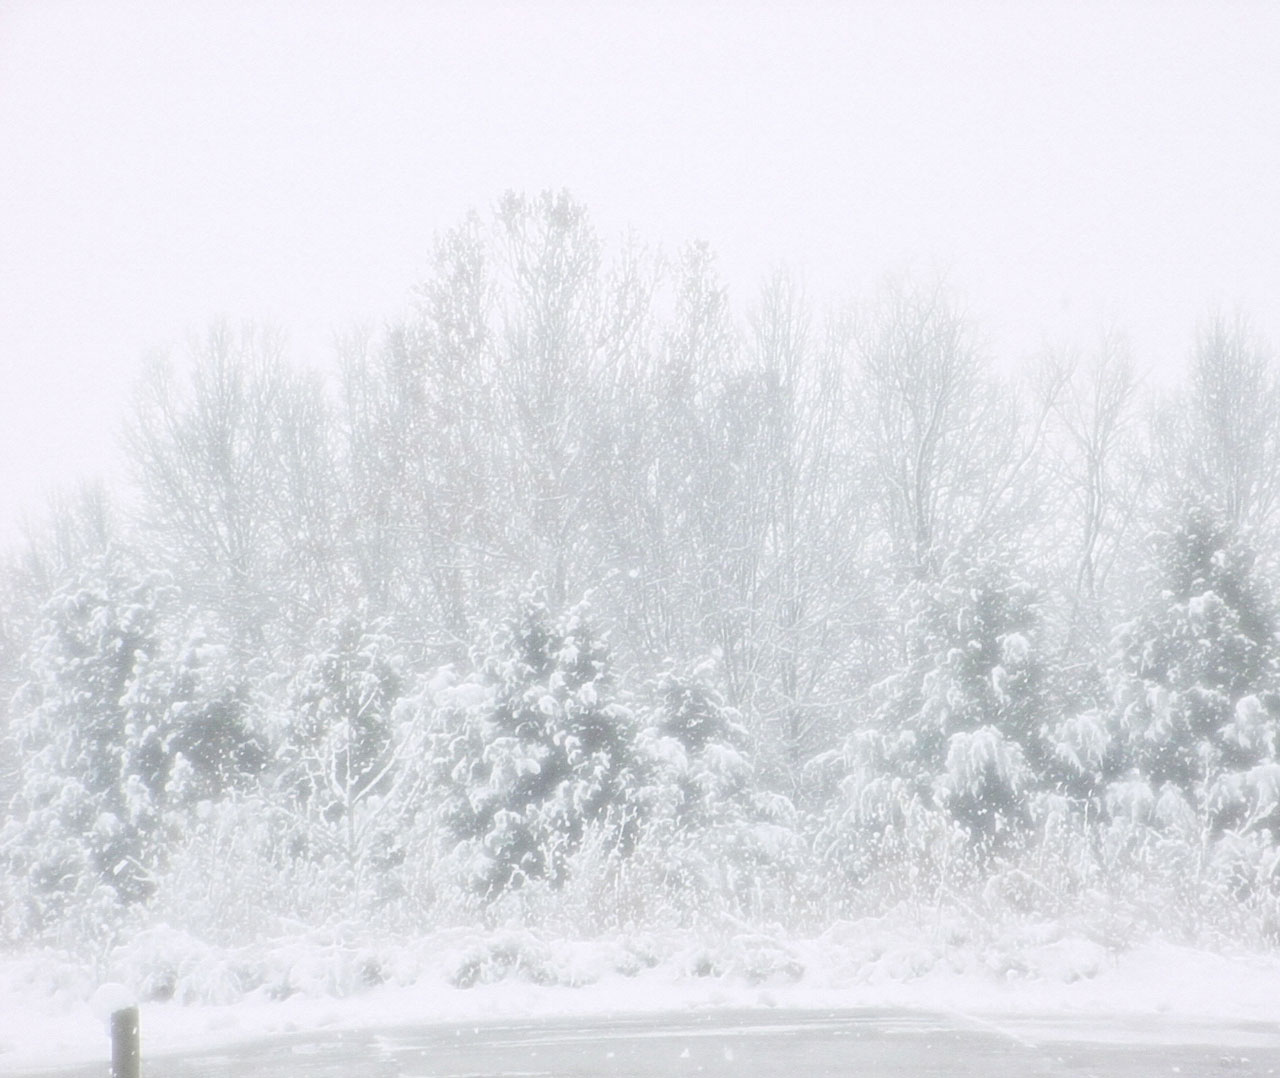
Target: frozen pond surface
{"points": [[719, 1044]]}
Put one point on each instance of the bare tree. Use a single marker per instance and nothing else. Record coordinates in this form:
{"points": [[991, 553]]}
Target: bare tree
{"points": [[952, 457], [1099, 474], [668, 523], [493, 436], [1097, 453], [1220, 438], [420, 450], [802, 586], [234, 466]]}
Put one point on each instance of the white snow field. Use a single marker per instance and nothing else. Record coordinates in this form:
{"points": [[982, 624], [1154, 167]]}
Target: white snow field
{"points": [[1056, 988]]}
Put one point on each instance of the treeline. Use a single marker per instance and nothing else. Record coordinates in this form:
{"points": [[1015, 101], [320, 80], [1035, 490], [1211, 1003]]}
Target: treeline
{"points": [[579, 595]]}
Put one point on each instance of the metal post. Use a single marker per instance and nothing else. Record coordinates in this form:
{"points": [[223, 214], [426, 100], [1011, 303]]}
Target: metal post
{"points": [[126, 1055]]}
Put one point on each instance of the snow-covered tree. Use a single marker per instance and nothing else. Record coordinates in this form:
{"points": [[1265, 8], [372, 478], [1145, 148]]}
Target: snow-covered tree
{"points": [[342, 749], [78, 528], [499, 432], [194, 725], [704, 817], [1097, 476], [87, 810], [1219, 436], [232, 456], [1195, 674], [952, 458], [961, 726], [122, 726], [536, 753]]}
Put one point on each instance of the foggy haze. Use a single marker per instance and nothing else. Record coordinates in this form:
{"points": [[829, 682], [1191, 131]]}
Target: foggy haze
{"points": [[1064, 166]]}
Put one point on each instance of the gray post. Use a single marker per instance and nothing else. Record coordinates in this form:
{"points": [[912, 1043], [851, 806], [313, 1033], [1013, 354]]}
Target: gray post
{"points": [[126, 1056]]}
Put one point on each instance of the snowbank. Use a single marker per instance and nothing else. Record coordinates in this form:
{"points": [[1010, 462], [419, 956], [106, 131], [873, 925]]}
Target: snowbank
{"points": [[219, 997]]}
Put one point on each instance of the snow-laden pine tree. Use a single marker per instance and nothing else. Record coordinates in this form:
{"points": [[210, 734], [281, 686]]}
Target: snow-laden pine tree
{"points": [[194, 725], [122, 725], [705, 821], [1194, 680], [532, 751], [959, 728], [86, 816]]}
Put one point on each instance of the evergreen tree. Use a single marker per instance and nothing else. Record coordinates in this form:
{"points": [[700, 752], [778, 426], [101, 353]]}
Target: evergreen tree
{"points": [[122, 726], [542, 754], [961, 727], [194, 722], [87, 808], [704, 814], [1195, 674]]}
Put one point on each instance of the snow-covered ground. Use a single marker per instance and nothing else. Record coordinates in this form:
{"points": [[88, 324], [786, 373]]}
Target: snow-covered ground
{"points": [[307, 983]]}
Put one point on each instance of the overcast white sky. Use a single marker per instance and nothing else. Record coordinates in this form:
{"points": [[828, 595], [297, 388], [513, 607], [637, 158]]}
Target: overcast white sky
{"points": [[162, 164]]}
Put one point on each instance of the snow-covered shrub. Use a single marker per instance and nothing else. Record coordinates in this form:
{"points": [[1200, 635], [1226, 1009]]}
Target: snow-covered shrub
{"points": [[510, 955], [231, 875], [888, 846], [755, 958]]}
